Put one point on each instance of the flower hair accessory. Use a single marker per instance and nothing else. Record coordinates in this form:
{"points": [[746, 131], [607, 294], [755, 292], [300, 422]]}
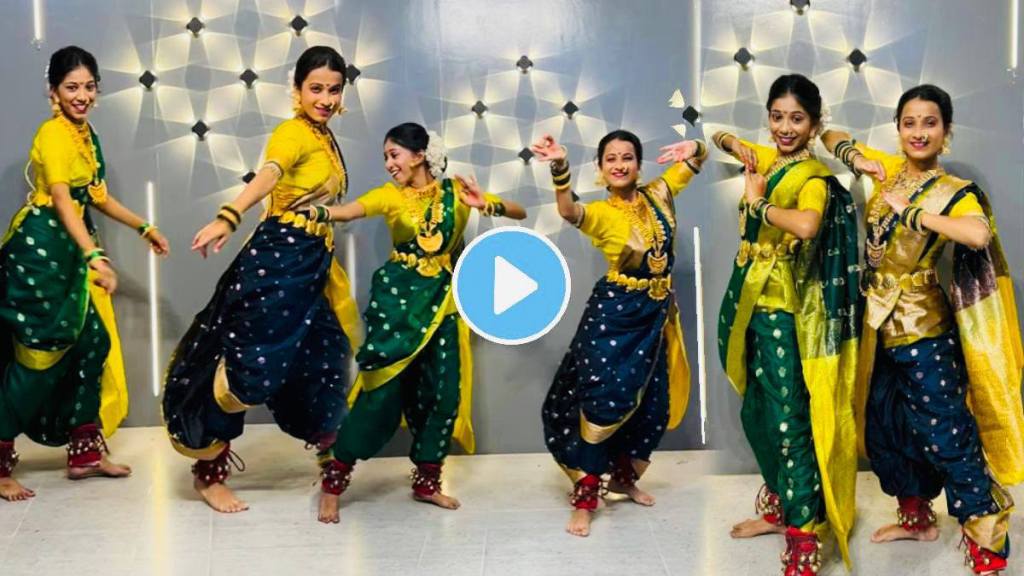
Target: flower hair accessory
{"points": [[826, 118], [291, 81], [436, 154]]}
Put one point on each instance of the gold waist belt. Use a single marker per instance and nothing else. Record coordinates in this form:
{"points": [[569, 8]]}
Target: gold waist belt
{"points": [[766, 251], [909, 282], [657, 288], [428, 266], [301, 220]]}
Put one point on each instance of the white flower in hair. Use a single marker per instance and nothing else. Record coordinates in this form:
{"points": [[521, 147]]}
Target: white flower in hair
{"points": [[46, 79], [436, 154], [826, 118], [291, 81]]}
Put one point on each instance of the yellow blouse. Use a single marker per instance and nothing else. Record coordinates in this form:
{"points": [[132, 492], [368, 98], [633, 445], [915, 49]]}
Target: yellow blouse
{"points": [[56, 159], [967, 205], [610, 232], [780, 291], [311, 170], [389, 201]]}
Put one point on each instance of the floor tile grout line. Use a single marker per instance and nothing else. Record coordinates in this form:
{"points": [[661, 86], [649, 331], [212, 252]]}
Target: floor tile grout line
{"points": [[657, 546], [483, 555], [423, 551]]}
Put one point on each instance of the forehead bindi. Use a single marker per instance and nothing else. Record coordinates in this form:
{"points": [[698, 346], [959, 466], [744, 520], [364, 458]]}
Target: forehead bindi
{"points": [[324, 76]]}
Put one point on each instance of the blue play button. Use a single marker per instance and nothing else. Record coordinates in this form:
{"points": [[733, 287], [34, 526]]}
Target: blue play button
{"points": [[511, 285]]}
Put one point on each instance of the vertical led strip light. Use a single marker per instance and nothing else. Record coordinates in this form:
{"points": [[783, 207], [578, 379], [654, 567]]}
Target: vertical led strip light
{"points": [[154, 328], [698, 269], [702, 372], [1014, 33], [37, 23]]}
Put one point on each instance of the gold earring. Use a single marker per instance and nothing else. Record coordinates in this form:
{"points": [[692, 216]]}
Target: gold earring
{"points": [[600, 181], [340, 109], [946, 149], [55, 106], [296, 102]]}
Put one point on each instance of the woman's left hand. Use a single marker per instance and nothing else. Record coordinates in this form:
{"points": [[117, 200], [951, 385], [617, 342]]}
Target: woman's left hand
{"points": [[470, 192], [897, 202], [158, 243], [754, 186], [678, 152]]}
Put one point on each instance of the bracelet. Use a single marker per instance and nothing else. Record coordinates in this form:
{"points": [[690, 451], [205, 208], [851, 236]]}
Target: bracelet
{"points": [[144, 229], [319, 213], [917, 221], [702, 149], [757, 208], [719, 140], [764, 212], [227, 206], [493, 209], [563, 188], [223, 216], [96, 253], [846, 151]]}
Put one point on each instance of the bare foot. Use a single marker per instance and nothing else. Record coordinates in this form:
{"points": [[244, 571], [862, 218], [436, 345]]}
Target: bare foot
{"points": [[106, 469], [579, 522], [12, 491], [635, 494], [219, 497], [894, 532], [439, 499], [329, 508], [755, 527]]}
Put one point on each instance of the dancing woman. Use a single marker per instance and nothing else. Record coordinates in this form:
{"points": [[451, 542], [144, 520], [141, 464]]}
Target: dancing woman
{"points": [[62, 371], [625, 378], [416, 362], [938, 388], [788, 329], [281, 324]]}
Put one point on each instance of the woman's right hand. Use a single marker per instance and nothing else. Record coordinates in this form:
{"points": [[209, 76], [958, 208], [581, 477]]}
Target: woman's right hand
{"points": [[872, 168], [105, 278], [745, 154], [216, 233], [547, 150]]}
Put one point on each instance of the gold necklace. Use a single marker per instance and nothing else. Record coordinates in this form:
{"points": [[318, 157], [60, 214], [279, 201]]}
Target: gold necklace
{"points": [[880, 215], [785, 160], [428, 237], [640, 214], [81, 135], [323, 136]]}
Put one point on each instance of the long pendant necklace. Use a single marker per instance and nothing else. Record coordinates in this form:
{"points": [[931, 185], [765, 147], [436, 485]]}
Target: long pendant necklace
{"points": [[881, 217], [642, 218], [428, 237]]}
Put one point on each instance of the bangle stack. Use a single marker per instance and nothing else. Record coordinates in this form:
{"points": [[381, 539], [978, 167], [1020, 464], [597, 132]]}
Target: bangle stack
{"points": [[318, 213], [719, 140], [145, 229], [96, 254], [231, 215], [911, 218], [560, 176], [759, 210], [846, 151], [493, 209]]}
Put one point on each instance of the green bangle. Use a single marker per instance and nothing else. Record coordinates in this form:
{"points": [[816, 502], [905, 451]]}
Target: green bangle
{"points": [[94, 254]]}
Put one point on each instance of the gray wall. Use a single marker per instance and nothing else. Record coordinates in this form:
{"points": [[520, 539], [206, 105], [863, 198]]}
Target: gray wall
{"points": [[429, 61]]}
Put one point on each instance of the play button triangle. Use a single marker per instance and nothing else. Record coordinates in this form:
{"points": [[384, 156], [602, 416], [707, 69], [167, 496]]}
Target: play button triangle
{"points": [[511, 285]]}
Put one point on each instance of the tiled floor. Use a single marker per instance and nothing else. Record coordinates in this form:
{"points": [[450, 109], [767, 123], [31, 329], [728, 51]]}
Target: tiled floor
{"points": [[511, 521]]}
